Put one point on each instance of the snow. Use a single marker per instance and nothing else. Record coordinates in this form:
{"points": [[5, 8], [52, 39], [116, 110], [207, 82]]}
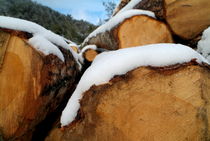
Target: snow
{"points": [[73, 45], [130, 5], [204, 44], [108, 64], [117, 19], [42, 45], [81, 58], [46, 38]]}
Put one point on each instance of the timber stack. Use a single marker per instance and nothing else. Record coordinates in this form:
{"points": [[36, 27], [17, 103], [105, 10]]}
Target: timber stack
{"points": [[142, 83], [176, 21], [149, 101]]}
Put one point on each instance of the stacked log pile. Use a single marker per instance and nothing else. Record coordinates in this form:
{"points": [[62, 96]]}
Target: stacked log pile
{"points": [[184, 20], [163, 103], [148, 103]]}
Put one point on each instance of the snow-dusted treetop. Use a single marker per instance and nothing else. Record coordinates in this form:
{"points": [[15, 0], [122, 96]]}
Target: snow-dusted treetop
{"points": [[108, 64], [204, 44], [43, 40], [117, 19]]}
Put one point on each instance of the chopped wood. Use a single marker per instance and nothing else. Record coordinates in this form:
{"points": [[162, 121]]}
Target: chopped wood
{"points": [[135, 31], [90, 54], [146, 103], [186, 18], [32, 85]]}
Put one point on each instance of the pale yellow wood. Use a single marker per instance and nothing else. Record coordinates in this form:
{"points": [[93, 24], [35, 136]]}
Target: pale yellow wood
{"points": [[90, 55], [75, 49], [142, 30], [19, 84], [31, 86]]}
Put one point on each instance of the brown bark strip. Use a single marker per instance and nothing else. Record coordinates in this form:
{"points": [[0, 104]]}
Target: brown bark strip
{"points": [[4, 39]]}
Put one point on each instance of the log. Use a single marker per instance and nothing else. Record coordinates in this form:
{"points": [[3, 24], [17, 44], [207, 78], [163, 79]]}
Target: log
{"points": [[90, 55], [32, 85], [90, 52], [134, 31], [162, 104], [186, 18]]}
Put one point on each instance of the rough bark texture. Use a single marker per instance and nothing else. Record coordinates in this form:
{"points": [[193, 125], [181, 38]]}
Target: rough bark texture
{"points": [[122, 4], [106, 40], [155, 6], [4, 39], [32, 86], [147, 104], [187, 18], [134, 31]]}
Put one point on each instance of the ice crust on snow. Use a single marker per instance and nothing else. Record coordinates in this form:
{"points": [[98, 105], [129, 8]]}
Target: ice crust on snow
{"points": [[108, 64], [130, 5], [117, 19], [204, 44], [46, 38]]}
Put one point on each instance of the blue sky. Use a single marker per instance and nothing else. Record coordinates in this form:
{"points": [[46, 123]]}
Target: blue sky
{"points": [[89, 10]]}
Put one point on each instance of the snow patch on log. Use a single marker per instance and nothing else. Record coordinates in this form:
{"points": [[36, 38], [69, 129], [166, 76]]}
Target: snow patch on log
{"points": [[130, 5], [204, 44], [117, 19], [46, 38], [112, 63], [42, 45]]}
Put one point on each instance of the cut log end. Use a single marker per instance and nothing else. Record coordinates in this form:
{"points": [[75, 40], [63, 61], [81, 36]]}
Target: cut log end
{"points": [[187, 18], [32, 85], [142, 30], [90, 55], [165, 105]]}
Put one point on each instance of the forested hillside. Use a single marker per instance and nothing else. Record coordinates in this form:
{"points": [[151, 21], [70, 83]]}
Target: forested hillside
{"points": [[50, 19]]}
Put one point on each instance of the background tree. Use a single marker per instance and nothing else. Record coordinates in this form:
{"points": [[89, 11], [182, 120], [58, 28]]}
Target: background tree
{"points": [[109, 8], [65, 25]]}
